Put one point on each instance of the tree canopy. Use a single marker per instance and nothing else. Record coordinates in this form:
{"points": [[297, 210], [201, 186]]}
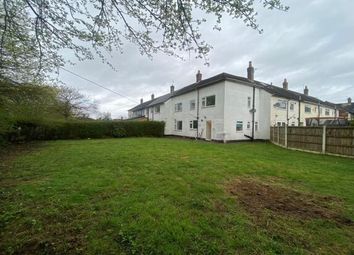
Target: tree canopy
{"points": [[35, 33]]}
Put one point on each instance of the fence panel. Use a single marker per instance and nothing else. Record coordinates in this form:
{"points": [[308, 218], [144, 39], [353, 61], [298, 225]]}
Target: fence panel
{"points": [[333, 140], [340, 140]]}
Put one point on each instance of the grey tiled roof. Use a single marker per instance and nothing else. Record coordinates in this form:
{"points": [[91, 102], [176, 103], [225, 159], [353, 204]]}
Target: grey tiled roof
{"points": [[274, 90], [347, 107], [289, 94]]}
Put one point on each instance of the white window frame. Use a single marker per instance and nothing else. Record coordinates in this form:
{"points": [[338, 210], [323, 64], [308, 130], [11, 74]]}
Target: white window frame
{"points": [[327, 113], [177, 127], [205, 100], [292, 106], [239, 122], [157, 107], [256, 126], [178, 107], [192, 103], [308, 107], [249, 102], [192, 125], [248, 125]]}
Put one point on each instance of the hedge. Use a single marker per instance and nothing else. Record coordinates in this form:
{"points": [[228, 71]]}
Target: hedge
{"points": [[27, 131]]}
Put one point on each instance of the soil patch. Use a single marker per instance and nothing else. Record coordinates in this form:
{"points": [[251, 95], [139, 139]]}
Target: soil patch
{"points": [[257, 198]]}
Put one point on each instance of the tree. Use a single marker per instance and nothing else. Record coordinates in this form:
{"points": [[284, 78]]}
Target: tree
{"points": [[73, 104], [105, 116], [34, 33]]}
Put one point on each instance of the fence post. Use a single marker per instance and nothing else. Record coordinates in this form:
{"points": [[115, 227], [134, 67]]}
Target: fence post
{"points": [[324, 140], [273, 134], [286, 136], [278, 134]]}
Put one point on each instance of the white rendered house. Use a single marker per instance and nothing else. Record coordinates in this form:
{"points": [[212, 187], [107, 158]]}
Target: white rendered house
{"points": [[226, 107]]}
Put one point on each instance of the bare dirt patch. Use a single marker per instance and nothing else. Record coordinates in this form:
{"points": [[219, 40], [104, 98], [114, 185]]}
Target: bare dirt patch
{"points": [[258, 198]]}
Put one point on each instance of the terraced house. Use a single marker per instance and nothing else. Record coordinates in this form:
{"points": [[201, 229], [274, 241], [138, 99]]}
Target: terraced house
{"points": [[227, 107]]}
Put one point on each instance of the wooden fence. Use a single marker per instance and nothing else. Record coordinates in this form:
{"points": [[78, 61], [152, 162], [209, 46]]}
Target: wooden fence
{"points": [[326, 140]]}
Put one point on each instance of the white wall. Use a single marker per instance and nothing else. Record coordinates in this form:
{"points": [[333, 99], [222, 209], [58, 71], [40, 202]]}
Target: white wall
{"points": [[279, 115], [214, 113], [237, 109]]}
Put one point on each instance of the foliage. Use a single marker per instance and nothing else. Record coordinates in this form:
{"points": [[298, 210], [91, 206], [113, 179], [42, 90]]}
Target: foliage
{"points": [[165, 196], [36, 107], [35, 33], [73, 104], [79, 129]]}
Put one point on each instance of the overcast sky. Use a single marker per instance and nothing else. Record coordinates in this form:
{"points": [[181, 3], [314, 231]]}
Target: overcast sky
{"points": [[312, 44]]}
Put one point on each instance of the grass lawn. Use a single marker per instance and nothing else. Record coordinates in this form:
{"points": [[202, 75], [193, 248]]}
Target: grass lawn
{"points": [[174, 196]]}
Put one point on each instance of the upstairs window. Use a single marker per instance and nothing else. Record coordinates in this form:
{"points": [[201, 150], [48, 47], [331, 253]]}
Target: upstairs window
{"points": [[178, 107], [208, 101], [292, 106], [307, 109], [193, 124], [249, 102], [280, 104], [192, 105], [239, 126], [327, 112], [157, 109]]}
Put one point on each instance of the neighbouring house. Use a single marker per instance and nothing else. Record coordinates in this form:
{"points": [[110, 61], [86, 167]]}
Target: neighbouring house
{"points": [[346, 110], [227, 107], [297, 109]]}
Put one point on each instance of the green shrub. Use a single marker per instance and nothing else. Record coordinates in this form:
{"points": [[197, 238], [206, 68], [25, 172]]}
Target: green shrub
{"points": [[53, 130]]}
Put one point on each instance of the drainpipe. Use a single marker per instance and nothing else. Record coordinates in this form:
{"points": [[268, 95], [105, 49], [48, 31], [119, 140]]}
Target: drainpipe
{"points": [[197, 112], [287, 112], [299, 111], [319, 115], [253, 110]]}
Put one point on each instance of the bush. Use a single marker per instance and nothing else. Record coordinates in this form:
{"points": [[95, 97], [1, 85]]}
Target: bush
{"points": [[52, 130]]}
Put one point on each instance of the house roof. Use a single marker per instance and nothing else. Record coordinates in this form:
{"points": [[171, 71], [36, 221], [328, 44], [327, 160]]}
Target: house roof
{"points": [[274, 90], [347, 107], [289, 94]]}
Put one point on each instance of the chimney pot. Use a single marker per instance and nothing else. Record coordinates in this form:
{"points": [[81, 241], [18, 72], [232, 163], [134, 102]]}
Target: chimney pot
{"points": [[198, 76], [306, 91], [172, 89], [349, 100], [141, 100], [285, 84], [250, 71], [152, 96]]}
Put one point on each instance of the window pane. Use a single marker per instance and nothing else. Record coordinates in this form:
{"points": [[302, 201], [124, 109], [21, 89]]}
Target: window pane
{"points": [[307, 108], [192, 104], [195, 124], [239, 126], [210, 101], [179, 125]]}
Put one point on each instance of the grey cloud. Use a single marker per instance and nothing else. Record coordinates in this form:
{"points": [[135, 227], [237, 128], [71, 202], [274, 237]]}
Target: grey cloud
{"points": [[311, 45]]}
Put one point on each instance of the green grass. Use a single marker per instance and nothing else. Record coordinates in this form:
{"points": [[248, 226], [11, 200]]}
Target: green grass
{"points": [[164, 196]]}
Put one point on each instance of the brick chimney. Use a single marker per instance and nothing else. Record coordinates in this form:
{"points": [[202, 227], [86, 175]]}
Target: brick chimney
{"points": [[152, 96], [349, 100], [285, 84], [306, 91], [141, 100], [172, 89], [250, 71], [198, 76]]}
